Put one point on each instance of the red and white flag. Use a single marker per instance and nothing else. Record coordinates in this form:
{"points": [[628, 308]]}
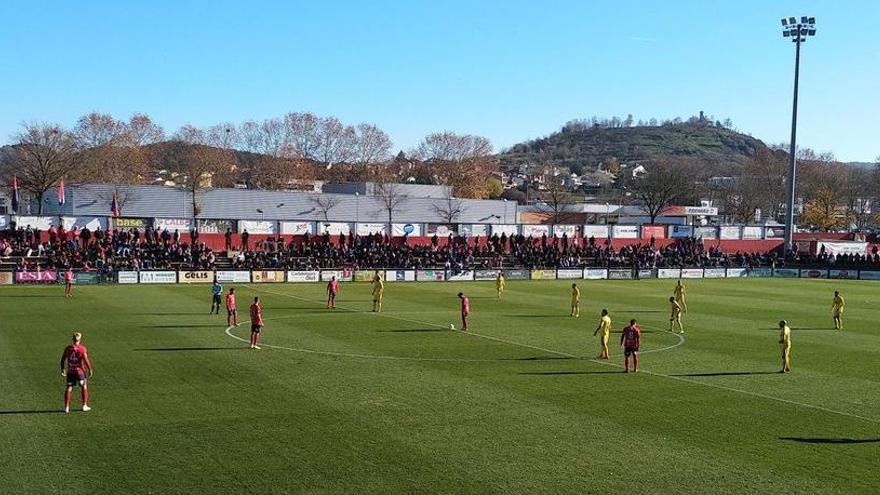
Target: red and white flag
{"points": [[61, 199]]}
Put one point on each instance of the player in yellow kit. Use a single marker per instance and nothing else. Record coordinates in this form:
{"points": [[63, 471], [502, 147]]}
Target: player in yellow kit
{"points": [[605, 328], [575, 301], [680, 295], [785, 342], [675, 316], [378, 291], [837, 310], [499, 285]]}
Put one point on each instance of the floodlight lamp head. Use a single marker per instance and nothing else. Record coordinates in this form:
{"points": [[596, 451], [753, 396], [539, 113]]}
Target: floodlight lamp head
{"points": [[785, 22]]}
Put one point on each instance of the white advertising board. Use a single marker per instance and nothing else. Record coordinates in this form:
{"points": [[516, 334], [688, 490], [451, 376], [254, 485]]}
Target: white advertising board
{"points": [[92, 223], [303, 276], [844, 274], [233, 276], [4, 222], [760, 272], [706, 232], [569, 231], [774, 232], [813, 273], [42, 223], [364, 229], [430, 275], [569, 273], [127, 277], [171, 224], [258, 226], [691, 273], [407, 229], [535, 230], [786, 273], [474, 229], [596, 231], [297, 228], [737, 272], [680, 231], [668, 273], [752, 232], [729, 232], [158, 277], [625, 232], [460, 277], [714, 273], [341, 275], [400, 275], [509, 230], [334, 228], [869, 275], [595, 273]]}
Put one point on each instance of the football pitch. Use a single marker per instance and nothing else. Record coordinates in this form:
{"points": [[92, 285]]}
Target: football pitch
{"points": [[347, 401]]}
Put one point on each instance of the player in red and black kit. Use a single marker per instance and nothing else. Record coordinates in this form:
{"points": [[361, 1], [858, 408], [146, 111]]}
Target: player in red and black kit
{"points": [[630, 339], [74, 362], [231, 311], [256, 322], [68, 283], [332, 292], [465, 310]]}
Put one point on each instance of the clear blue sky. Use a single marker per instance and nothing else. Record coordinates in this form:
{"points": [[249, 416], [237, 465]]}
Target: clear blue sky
{"points": [[508, 70]]}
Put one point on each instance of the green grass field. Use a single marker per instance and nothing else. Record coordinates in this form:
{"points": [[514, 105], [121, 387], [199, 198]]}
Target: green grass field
{"points": [[347, 401]]}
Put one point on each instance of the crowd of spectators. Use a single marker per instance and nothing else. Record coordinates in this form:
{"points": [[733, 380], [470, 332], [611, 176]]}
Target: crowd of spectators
{"points": [[154, 249]]}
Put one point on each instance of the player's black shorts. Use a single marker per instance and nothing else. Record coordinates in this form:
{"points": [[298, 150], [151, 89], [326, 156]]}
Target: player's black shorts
{"points": [[631, 351], [256, 328], [75, 380], [232, 312], [217, 299], [331, 295]]}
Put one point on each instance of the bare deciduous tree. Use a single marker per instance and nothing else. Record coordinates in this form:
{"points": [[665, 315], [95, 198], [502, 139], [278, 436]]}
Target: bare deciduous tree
{"points": [[464, 162], [392, 197], [45, 153], [449, 209], [665, 182], [326, 203]]}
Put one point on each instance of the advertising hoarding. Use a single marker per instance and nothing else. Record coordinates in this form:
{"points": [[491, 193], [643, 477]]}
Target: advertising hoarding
{"points": [[265, 227], [157, 277], [293, 227], [430, 275], [267, 276], [303, 276], [681, 231], [595, 231], [595, 273], [344, 275], [625, 232], [729, 232], [714, 273], [195, 277], [543, 275], [400, 275], [668, 273], [234, 276], [569, 273], [691, 273], [126, 277]]}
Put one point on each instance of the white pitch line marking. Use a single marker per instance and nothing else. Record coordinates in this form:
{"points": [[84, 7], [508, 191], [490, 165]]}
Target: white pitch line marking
{"points": [[651, 373]]}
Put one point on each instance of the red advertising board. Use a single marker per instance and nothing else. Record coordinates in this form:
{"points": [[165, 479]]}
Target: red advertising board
{"points": [[36, 276], [655, 231]]}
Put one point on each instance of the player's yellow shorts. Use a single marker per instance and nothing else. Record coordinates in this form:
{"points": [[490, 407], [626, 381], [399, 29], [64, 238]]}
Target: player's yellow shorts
{"points": [[605, 338]]}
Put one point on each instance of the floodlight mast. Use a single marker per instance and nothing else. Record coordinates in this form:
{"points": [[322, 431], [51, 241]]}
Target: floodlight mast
{"points": [[798, 32]]}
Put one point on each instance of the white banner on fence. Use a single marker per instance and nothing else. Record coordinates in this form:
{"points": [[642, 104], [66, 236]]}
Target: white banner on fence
{"points": [[706, 232], [407, 229], [460, 277], [158, 277], [297, 228], [774, 232], [430, 275], [737, 272], [786, 273], [258, 226], [334, 228], [171, 224], [668, 273], [568, 230], [304, 276], [760, 272], [869, 275], [729, 232], [92, 223], [485, 274], [364, 229], [234, 276], [569, 273], [844, 274], [620, 274], [625, 232], [505, 229], [42, 223], [680, 231], [195, 277], [400, 275], [813, 273], [714, 273], [843, 247], [595, 231], [595, 273], [691, 273], [535, 230], [127, 277], [752, 232], [473, 229], [543, 275], [341, 275], [4, 222]]}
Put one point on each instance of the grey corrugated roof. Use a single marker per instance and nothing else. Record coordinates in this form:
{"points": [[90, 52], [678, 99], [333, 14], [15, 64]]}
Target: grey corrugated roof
{"points": [[242, 204]]}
